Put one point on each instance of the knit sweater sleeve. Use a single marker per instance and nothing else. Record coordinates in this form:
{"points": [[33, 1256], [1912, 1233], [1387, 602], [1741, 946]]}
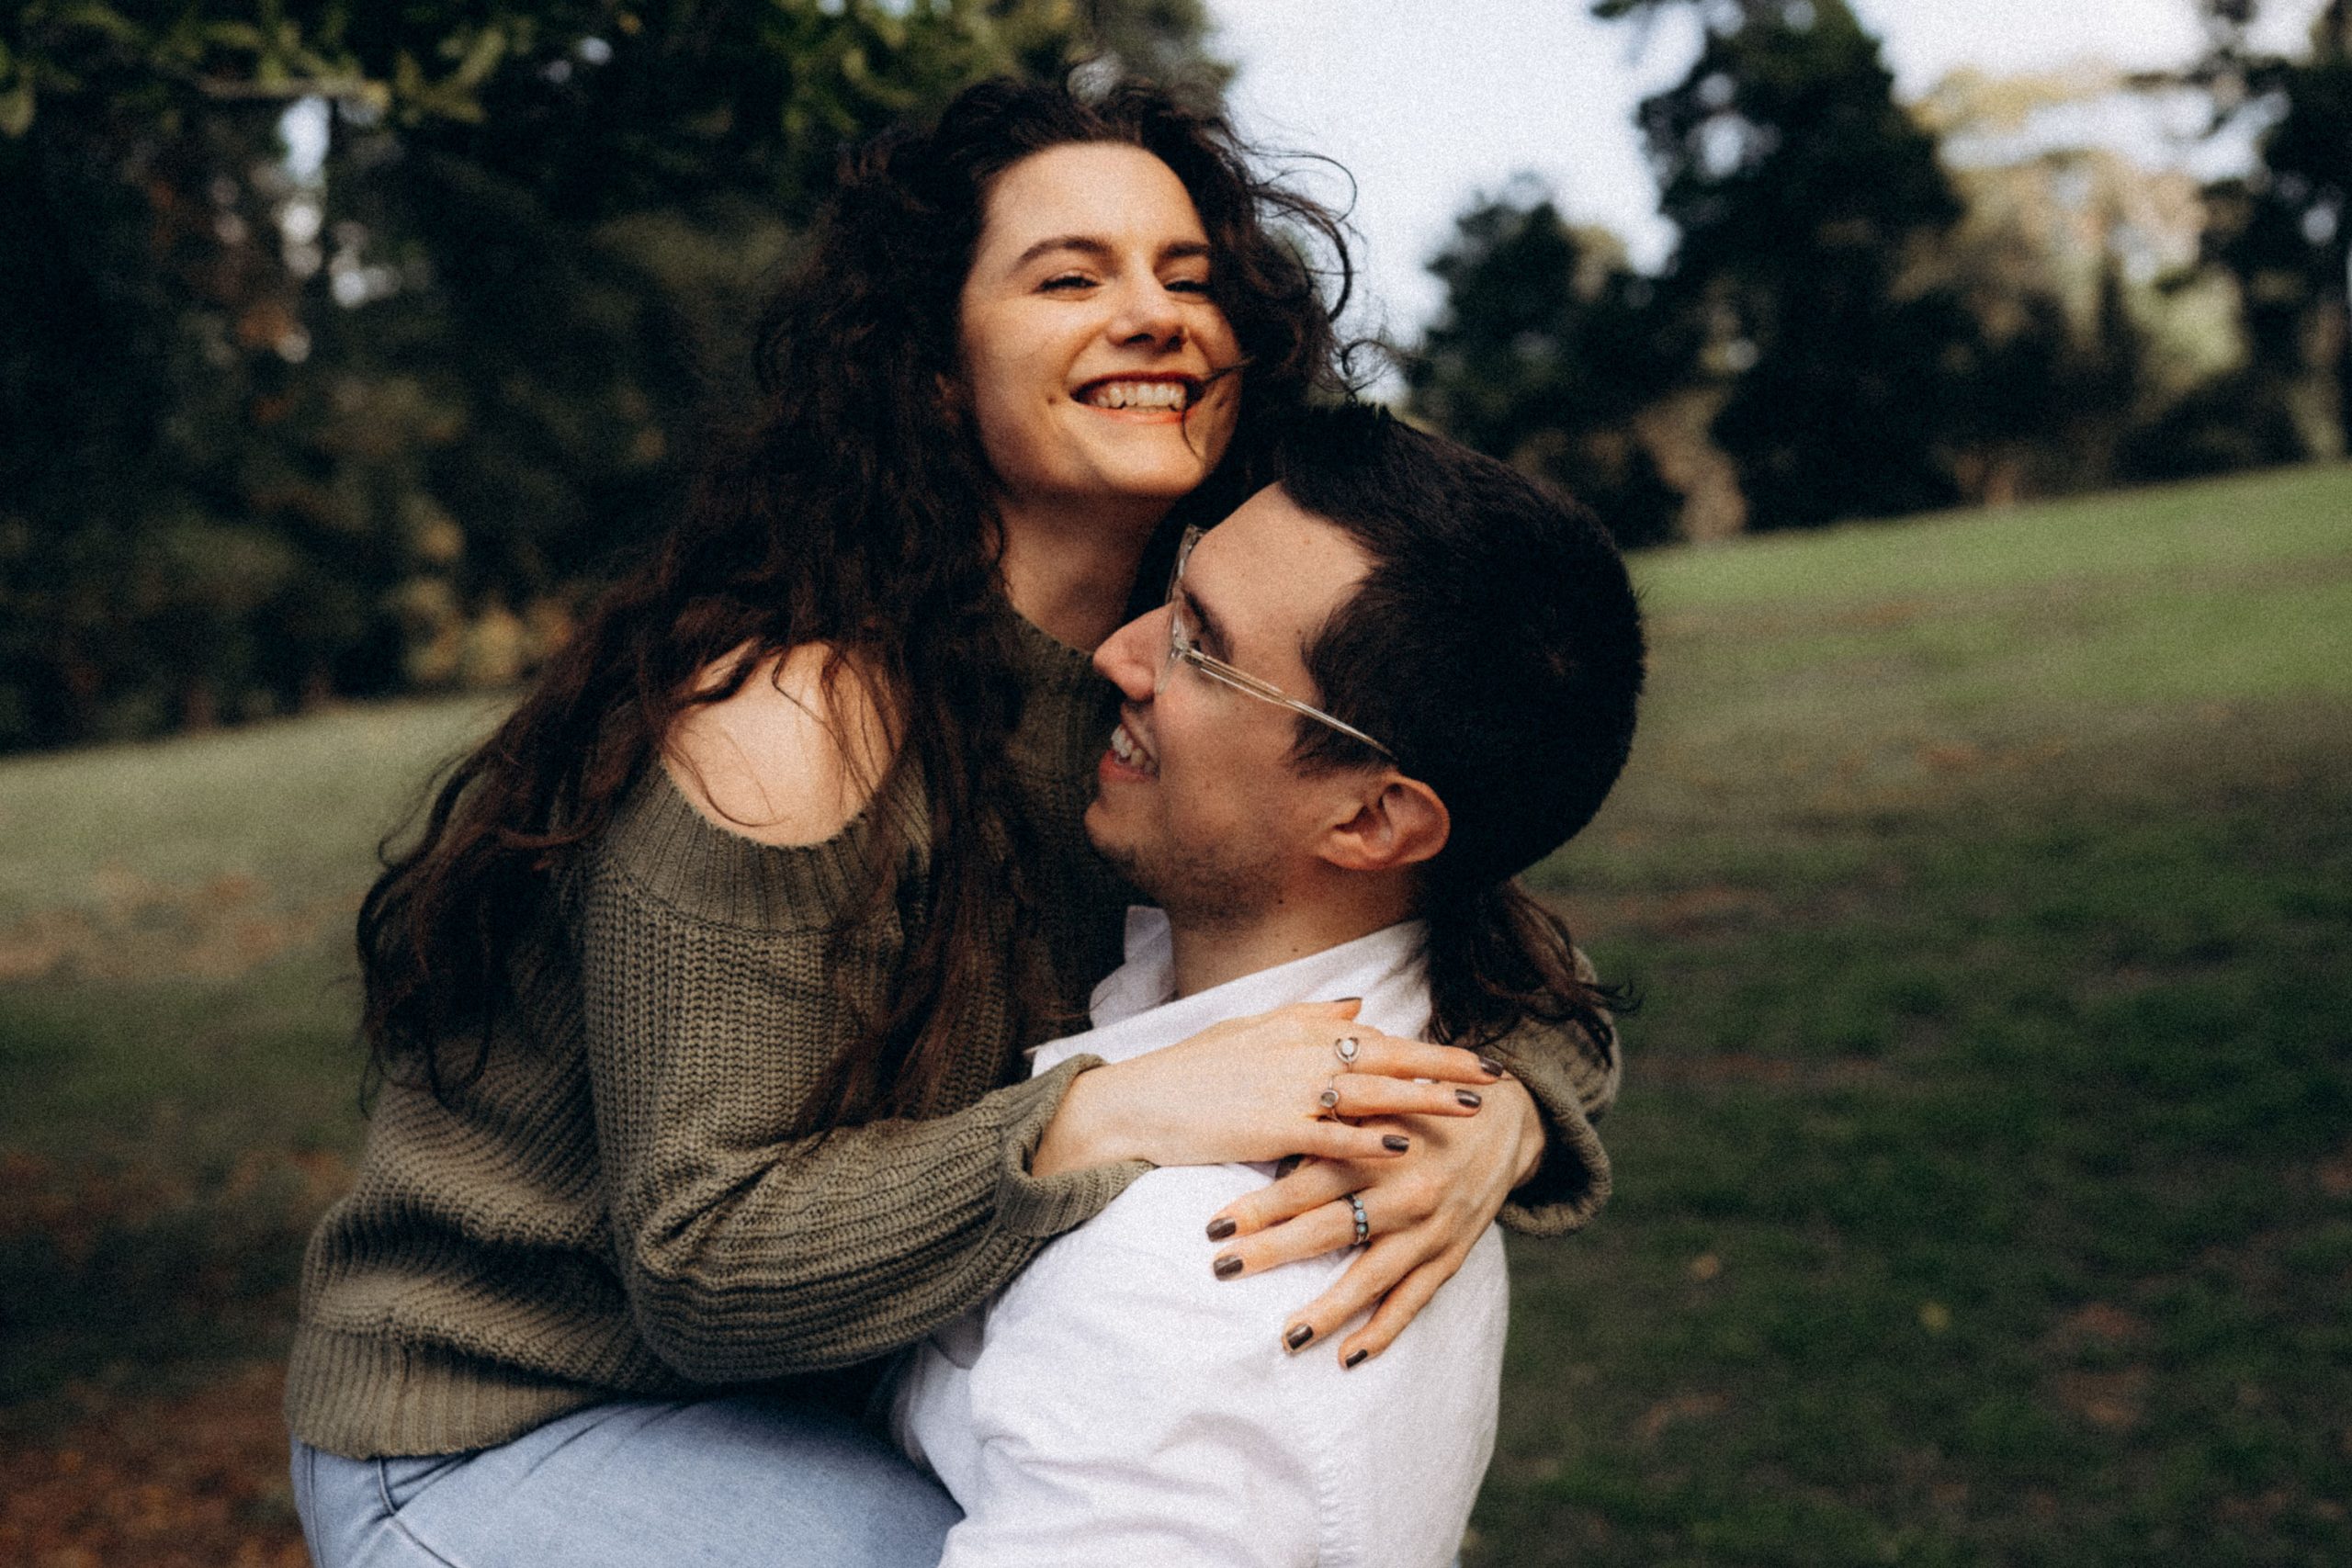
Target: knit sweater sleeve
{"points": [[708, 979], [1574, 1080]]}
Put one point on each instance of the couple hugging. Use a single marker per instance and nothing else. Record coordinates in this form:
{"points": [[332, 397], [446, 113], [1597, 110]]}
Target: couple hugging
{"points": [[718, 1063]]}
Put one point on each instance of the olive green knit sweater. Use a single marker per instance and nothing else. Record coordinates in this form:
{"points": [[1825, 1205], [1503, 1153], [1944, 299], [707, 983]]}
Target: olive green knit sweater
{"points": [[611, 1210]]}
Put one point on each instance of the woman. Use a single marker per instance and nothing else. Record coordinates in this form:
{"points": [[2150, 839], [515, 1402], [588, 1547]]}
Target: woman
{"points": [[693, 1002]]}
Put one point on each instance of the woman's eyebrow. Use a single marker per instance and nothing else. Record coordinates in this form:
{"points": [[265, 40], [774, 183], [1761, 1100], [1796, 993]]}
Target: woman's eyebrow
{"points": [[1083, 244], [1102, 250]]}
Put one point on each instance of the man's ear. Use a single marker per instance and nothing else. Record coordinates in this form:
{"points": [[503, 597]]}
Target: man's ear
{"points": [[1404, 824]]}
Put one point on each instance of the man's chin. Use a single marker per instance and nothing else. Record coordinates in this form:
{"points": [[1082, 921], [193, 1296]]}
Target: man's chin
{"points": [[1118, 851]]}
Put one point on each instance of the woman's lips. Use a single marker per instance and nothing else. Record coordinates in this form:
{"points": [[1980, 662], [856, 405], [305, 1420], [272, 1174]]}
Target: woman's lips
{"points": [[1140, 394]]}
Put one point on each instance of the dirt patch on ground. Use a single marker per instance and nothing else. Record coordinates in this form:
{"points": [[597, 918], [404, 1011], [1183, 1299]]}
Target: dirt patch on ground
{"points": [[197, 1481]]}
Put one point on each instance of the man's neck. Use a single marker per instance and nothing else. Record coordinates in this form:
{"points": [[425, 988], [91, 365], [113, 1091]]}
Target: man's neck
{"points": [[1210, 951], [1069, 571]]}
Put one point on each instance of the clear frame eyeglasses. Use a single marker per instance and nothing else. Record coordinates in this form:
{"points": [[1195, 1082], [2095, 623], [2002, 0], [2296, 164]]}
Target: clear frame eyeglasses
{"points": [[1182, 650]]}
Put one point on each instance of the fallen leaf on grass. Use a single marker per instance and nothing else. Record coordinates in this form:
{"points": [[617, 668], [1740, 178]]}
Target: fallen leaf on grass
{"points": [[1680, 1407], [2100, 1323], [2115, 1401]]}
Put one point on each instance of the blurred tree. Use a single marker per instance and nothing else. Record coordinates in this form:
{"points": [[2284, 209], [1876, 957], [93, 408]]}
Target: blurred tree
{"points": [[339, 344], [1808, 203], [1548, 349], [2077, 266], [2283, 231]]}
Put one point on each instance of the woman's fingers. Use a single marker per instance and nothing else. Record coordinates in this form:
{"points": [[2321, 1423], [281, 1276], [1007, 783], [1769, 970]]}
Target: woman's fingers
{"points": [[1306, 1214], [1361, 1094], [1313, 1184], [1388, 1056], [1383, 1268], [1398, 1307], [1327, 1227], [1344, 1141]]}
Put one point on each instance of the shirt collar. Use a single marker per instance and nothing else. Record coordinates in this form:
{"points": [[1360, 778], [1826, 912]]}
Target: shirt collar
{"points": [[1135, 1010]]}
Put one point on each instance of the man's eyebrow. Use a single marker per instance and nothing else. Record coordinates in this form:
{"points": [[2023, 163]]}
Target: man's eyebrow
{"points": [[1207, 630]]}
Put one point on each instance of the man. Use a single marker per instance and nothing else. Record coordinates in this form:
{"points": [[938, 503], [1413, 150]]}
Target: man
{"points": [[1379, 691]]}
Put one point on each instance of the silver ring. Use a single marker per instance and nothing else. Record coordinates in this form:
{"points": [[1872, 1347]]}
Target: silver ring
{"points": [[1330, 1098], [1347, 1046], [1364, 1225]]}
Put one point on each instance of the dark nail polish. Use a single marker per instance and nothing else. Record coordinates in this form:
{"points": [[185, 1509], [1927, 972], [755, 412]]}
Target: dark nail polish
{"points": [[1468, 1097], [1395, 1143], [1297, 1337], [1226, 1266], [1347, 999], [1221, 1227], [1355, 1359], [1491, 1065]]}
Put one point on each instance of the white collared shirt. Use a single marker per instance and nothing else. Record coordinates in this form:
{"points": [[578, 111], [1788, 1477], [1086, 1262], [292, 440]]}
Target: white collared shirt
{"points": [[1117, 1403]]}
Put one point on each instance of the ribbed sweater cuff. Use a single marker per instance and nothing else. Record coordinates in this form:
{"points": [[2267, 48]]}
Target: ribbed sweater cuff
{"points": [[1038, 1206], [1571, 1185], [368, 1398]]}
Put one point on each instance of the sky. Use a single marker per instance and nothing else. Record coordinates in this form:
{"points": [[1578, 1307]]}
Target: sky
{"points": [[1428, 104]]}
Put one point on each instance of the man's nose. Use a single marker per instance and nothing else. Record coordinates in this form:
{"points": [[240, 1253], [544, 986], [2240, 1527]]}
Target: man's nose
{"points": [[1125, 657]]}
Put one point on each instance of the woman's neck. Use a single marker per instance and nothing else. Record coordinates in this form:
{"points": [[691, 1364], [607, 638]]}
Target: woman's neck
{"points": [[1069, 571]]}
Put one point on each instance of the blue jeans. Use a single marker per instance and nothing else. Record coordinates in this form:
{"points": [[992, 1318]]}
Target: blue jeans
{"points": [[723, 1483]]}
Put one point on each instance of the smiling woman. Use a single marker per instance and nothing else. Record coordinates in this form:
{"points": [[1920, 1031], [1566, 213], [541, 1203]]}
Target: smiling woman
{"points": [[1100, 366], [699, 1005]]}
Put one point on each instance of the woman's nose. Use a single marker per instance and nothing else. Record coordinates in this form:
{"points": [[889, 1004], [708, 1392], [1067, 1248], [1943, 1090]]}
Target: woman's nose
{"points": [[1147, 311]]}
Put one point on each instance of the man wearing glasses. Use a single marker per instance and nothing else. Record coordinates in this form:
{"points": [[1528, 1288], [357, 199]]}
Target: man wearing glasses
{"points": [[1377, 692]]}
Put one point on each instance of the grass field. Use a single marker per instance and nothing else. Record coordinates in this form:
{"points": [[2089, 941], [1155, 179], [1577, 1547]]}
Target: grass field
{"points": [[1984, 1165]]}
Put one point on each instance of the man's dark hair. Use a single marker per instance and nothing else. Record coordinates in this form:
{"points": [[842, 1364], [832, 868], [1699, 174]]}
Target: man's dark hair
{"points": [[1495, 646]]}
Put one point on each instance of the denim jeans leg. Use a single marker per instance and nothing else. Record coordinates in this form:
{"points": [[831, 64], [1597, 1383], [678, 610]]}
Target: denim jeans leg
{"points": [[723, 1483]]}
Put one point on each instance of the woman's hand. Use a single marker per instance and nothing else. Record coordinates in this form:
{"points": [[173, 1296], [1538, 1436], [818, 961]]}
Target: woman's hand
{"points": [[1425, 1211], [1253, 1088]]}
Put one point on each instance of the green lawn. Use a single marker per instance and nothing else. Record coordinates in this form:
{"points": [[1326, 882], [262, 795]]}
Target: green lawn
{"points": [[1984, 1164]]}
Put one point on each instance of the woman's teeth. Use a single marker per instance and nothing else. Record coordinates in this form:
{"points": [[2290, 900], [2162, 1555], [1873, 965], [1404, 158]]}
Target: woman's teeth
{"points": [[1123, 747], [1137, 395]]}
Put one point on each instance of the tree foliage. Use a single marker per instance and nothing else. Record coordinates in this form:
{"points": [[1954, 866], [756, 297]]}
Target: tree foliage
{"points": [[1845, 327], [275, 426], [1807, 201], [2283, 231], [1547, 350]]}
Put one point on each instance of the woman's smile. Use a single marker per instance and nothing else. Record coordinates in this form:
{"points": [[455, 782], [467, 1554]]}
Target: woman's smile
{"points": [[1162, 396]]}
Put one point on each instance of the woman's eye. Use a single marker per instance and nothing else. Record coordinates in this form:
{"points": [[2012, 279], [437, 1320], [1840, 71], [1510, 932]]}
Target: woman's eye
{"points": [[1188, 286], [1061, 282]]}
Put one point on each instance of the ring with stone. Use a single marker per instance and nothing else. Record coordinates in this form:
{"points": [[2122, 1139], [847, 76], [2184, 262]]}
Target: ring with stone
{"points": [[1364, 1225], [1347, 1046], [1330, 1098]]}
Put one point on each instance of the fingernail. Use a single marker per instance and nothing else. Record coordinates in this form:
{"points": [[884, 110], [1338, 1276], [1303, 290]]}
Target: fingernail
{"points": [[1297, 1337], [1395, 1143], [1468, 1097], [1347, 999], [1225, 1267], [1493, 1067], [1355, 1359], [1221, 1227]]}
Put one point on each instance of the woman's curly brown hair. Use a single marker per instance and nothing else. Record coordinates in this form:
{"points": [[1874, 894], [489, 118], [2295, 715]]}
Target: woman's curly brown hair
{"points": [[856, 512]]}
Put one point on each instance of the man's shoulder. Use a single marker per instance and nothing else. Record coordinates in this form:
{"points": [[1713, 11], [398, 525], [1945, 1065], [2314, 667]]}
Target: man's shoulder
{"points": [[1146, 1257]]}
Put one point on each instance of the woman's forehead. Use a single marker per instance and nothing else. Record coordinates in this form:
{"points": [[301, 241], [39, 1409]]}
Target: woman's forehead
{"points": [[1092, 190]]}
